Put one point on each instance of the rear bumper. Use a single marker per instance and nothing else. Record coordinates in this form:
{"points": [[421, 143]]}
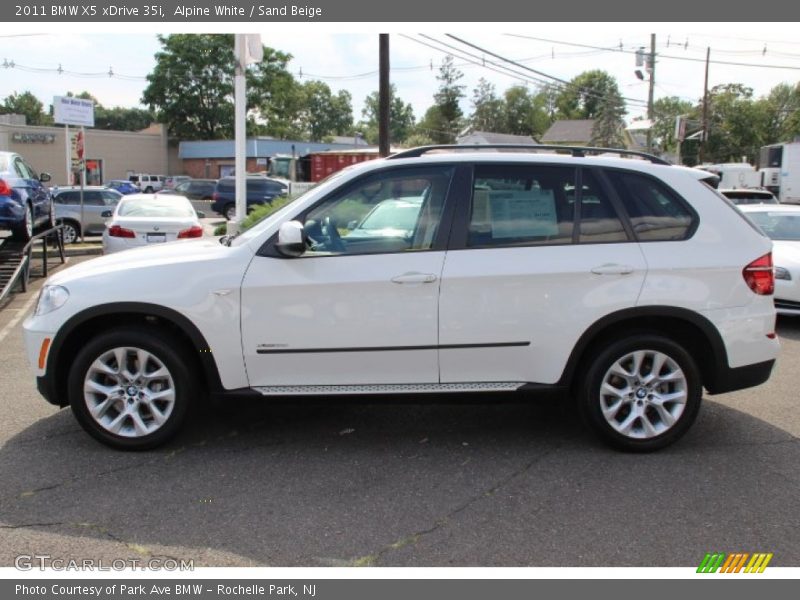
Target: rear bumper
{"points": [[739, 378]]}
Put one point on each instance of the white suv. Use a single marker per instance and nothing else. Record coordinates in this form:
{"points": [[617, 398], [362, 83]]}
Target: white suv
{"points": [[628, 285]]}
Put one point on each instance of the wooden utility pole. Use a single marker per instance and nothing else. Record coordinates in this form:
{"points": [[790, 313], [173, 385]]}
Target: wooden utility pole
{"points": [[652, 69], [704, 141], [384, 96]]}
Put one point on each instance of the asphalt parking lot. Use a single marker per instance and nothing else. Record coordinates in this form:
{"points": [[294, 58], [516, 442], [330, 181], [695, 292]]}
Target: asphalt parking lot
{"points": [[350, 484]]}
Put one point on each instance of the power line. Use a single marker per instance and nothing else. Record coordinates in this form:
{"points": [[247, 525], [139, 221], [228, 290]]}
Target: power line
{"points": [[685, 58]]}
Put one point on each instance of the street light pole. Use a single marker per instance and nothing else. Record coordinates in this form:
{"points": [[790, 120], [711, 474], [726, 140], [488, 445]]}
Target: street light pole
{"points": [[652, 71]]}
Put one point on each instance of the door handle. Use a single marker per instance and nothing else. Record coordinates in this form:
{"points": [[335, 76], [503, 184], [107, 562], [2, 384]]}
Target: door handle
{"points": [[414, 277], [612, 269]]}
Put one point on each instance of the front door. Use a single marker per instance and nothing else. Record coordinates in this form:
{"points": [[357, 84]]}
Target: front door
{"points": [[360, 306]]}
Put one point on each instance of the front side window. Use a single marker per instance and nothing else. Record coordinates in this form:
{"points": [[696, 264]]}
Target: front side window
{"points": [[520, 205], [393, 211], [655, 212]]}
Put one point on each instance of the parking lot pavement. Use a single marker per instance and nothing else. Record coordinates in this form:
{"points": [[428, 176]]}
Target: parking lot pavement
{"points": [[336, 483]]}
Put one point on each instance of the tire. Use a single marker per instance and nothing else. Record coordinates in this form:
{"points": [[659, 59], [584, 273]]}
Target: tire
{"points": [[229, 211], [630, 410], [106, 399], [71, 232], [24, 231]]}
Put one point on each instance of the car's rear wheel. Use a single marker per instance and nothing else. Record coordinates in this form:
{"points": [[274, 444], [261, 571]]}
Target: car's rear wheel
{"points": [[71, 232], [641, 393], [148, 190], [131, 388]]}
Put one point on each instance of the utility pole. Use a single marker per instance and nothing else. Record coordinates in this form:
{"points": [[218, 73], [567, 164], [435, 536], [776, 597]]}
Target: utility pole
{"points": [[652, 69], [705, 110], [383, 95]]}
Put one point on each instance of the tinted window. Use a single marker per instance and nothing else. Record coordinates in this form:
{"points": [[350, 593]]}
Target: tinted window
{"points": [[599, 221], [110, 197], [68, 198], [22, 169], [655, 212], [522, 205]]}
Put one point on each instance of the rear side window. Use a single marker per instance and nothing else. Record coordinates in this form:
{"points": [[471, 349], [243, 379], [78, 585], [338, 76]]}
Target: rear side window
{"points": [[599, 222], [520, 205], [656, 213]]}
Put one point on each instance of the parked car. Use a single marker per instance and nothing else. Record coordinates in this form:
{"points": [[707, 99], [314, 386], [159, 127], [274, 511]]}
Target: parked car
{"points": [[260, 190], [196, 189], [749, 196], [123, 186], [147, 183], [143, 219], [625, 285], [96, 201], [171, 182], [24, 202], [782, 225]]}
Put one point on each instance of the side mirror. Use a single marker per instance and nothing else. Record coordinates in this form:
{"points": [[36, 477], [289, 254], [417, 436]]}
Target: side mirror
{"points": [[107, 214], [352, 225], [291, 239], [44, 177]]}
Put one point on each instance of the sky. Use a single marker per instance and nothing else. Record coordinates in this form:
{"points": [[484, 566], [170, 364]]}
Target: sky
{"points": [[345, 56]]}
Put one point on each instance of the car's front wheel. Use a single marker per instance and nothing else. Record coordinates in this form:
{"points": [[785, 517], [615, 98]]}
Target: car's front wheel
{"points": [[24, 230], [131, 388], [640, 393], [229, 212], [71, 232]]}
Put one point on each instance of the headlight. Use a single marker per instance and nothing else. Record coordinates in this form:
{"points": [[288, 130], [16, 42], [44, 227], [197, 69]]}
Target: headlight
{"points": [[781, 273], [51, 298]]}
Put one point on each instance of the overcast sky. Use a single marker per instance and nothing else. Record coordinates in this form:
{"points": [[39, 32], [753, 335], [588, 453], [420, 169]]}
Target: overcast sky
{"points": [[349, 60]]}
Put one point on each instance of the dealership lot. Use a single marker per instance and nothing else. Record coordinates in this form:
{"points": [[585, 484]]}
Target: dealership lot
{"points": [[351, 484]]}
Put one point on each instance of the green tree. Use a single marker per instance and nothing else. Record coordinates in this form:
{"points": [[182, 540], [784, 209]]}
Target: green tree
{"points": [[665, 112], [324, 113], [446, 119], [526, 113], [583, 96], [488, 111], [737, 124], [401, 118], [191, 88], [26, 104], [609, 123], [782, 107]]}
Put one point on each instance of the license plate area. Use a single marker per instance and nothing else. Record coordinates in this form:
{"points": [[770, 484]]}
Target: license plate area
{"points": [[155, 238]]}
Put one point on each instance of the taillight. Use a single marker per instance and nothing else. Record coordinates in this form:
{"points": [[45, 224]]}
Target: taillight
{"points": [[195, 231], [215, 196], [759, 276], [121, 232], [5, 189]]}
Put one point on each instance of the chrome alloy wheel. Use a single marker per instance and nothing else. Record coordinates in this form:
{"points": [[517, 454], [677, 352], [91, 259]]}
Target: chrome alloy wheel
{"points": [[129, 392], [643, 394]]}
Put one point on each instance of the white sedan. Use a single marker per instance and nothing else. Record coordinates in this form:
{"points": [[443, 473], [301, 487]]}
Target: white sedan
{"points": [[781, 223], [143, 219]]}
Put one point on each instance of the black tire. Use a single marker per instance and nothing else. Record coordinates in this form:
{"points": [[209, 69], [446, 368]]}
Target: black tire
{"points": [[229, 211], [591, 399], [71, 231], [148, 190], [24, 231], [173, 357]]}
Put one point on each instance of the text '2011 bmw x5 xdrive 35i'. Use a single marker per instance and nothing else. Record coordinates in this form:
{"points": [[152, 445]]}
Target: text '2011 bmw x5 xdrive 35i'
{"points": [[628, 284]]}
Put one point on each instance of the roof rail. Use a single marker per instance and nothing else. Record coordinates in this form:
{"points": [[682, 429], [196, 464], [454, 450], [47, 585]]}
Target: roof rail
{"points": [[578, 151]]}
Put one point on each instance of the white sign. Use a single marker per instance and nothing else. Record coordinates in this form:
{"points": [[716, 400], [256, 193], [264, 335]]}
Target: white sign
{"points": [[523, 214], [73, 111]]}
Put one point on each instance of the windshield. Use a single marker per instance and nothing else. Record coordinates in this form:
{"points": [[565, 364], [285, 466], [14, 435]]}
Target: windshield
{"points": [[778, 225], [155, 208]]}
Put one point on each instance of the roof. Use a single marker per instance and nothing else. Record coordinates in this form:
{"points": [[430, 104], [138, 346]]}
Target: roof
{"points": [[569, 130], [488, 137], [256, 148]]}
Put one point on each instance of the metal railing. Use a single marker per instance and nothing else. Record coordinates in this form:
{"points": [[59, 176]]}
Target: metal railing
{"points": [[22, 270]]}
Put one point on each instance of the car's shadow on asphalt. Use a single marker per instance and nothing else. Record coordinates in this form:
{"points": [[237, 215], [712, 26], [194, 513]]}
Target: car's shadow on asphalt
{"points": [[338, 483]]}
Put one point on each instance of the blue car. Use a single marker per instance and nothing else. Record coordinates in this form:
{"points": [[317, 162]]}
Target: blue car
{"points": [[24, 202], [123, 186], [260, 190]]}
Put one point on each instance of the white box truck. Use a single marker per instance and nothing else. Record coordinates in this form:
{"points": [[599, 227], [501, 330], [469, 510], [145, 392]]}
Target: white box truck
{"points": [[780, 171]]}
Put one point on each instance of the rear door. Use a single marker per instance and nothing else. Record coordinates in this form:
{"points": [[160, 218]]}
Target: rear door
{"points": [[538, 254]]}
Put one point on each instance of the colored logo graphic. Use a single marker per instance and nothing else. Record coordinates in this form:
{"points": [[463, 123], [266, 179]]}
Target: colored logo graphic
{"points": [[741, 562]]}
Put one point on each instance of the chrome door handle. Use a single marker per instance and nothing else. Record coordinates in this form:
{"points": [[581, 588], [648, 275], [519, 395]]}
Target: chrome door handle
{"points": [[612, 269], [414, 277]]}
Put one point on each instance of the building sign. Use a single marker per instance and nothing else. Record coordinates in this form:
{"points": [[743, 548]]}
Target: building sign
{"points": [[33, 138], [73, 111]]}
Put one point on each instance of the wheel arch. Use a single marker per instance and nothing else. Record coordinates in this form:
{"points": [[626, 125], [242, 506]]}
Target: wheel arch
{"points": [[99, 318], [693, 331]]}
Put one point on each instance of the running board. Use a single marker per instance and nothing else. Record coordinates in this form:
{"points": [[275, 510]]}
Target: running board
{"points": [[388, 388]]}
